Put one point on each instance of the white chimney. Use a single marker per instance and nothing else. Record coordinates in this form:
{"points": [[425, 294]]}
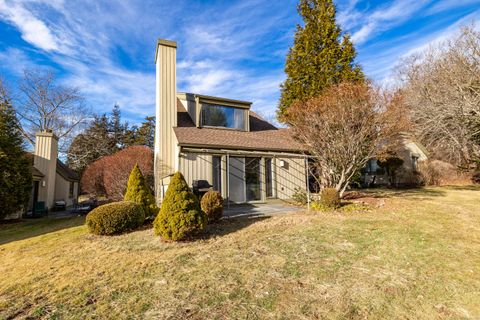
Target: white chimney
{"points": [[45, 160], [166, 153]]}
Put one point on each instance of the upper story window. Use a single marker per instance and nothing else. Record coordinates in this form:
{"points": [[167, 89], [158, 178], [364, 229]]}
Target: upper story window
{"points": [[213, 115]]}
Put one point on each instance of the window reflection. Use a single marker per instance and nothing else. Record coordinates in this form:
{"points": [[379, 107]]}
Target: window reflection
{"points": [[222, 116]]}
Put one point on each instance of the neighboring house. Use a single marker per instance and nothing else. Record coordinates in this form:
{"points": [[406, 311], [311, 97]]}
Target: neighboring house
{"points": [[52, 179], [411, 152], [220, 141]]}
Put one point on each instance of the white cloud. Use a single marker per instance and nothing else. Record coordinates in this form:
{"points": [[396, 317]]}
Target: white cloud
{"points": [[444, 5], [380, 64], [367, 24], [364, 32], [33, 30]]}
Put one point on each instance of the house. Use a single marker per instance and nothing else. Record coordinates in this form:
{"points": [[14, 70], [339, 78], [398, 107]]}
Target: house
{"points": [[220, 142], [411, 152], [52, 179]]}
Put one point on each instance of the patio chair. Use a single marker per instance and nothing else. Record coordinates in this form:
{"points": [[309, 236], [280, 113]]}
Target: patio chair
{"points": [[39, 209]]}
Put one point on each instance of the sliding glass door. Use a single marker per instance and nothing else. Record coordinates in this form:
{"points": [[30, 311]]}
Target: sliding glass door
{"points": [[245, 179]]}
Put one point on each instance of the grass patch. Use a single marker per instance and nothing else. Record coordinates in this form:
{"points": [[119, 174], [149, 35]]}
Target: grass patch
{"points": [[417, 256]]}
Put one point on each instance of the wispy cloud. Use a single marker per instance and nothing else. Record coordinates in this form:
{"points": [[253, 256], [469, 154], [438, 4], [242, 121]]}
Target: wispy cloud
{"points": [[445, 5], [384, 18], [32, 29]]}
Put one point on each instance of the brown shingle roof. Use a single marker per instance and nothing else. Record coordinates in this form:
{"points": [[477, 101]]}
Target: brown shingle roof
{"points": [[37, 173], [66, 172], [262, 136]]}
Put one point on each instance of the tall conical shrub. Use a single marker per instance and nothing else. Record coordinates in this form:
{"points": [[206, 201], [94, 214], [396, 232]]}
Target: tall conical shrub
{"points": [[139, 192], [180, 214]]}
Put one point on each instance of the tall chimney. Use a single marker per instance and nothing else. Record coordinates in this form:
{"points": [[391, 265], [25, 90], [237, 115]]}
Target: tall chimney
{"points": [[45, 160], [166, 153]]}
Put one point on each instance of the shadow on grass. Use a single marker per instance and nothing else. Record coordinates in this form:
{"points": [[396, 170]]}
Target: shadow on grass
{"points": [[471, 187], [413, 193], [230, 225], [24, 229]]}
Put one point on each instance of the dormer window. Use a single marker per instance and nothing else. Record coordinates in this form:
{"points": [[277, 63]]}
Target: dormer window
{"points": [[213, 115]]}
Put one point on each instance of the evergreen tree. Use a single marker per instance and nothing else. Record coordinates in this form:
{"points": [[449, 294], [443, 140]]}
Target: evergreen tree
{"points": [[15, 167], [145, 135], [180, 214], [91, 145], [116, 128], [320, 57], [138, 191]]}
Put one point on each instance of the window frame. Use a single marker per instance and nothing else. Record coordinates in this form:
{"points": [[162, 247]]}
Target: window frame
{"points": [[245, 111]]}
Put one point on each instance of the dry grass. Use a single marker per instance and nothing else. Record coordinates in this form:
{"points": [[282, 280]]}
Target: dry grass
{"points": [[418, 256]]}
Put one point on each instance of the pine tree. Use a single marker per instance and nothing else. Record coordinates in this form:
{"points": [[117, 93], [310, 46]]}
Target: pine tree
{"points": [[116, 128], [320, 57], [180, 214], [91, 145], [138, 191], [15, 167], [146, 133]]}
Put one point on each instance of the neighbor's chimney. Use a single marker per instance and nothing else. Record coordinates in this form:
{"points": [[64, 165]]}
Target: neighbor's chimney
{"points": [[166, 153], [45, 160]]}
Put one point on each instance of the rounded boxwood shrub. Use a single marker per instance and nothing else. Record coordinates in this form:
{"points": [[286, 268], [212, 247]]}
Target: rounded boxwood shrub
{"points": [[115, 218], [212, 205], [180, 215], [330, 198]]}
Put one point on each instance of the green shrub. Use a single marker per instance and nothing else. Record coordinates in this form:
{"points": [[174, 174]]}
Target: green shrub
{"points": [[138, 191], [300, 196], [180, 214], [330, 197], [212, 205], [115, 218]]}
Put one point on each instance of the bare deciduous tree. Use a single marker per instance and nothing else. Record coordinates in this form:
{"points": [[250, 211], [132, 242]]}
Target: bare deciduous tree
{"points": [[441, 88], [344, 128], [44, 105]]}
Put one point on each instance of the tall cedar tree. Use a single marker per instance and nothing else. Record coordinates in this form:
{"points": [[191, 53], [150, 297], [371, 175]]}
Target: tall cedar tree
{"points": [[139, 191], [15, 167], [320, 57]]}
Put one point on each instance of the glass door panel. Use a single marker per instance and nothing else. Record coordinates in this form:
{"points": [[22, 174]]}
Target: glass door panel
{"points": [[269, 177], [252, 179], [236, 179], [217, 173]]}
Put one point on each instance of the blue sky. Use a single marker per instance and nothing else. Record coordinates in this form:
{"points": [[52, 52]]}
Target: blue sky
{"points": [[234, 49]]}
